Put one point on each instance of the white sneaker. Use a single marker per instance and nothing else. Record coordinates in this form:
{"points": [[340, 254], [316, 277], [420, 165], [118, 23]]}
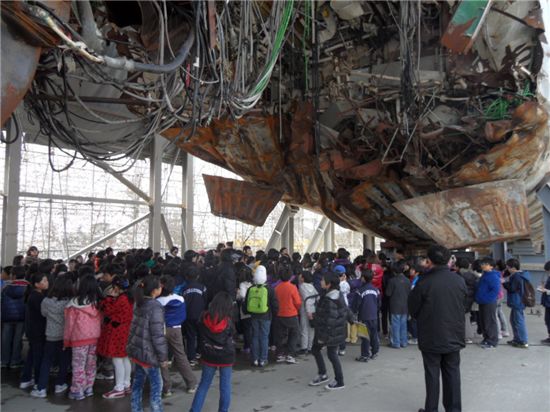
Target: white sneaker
{"points": [[26, 385], [291, 359], [38, 393], [61, 388]]}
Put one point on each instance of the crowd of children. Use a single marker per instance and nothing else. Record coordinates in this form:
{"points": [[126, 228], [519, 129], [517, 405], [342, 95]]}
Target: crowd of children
{"points": [[139, 314]]}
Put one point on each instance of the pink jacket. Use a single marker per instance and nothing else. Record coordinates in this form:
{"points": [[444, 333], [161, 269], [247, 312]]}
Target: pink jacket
{"points": [[82, 324]]}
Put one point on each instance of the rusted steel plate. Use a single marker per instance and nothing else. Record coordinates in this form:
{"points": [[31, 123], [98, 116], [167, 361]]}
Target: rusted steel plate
{"points": [[240, 200], [472, 215], [465, 25]]}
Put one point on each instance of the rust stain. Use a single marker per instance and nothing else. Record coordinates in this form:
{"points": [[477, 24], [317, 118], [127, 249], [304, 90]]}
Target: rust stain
{"points": [[455, 38], [240, 200], [479, 209]]}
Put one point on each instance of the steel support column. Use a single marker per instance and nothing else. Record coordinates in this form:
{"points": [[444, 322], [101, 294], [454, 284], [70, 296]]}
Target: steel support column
{"points": [[166, 231], [290, 228], [187, 201], [10, 215], [499, 251], [318, 235], [155, 192], [328, 238], [369, 242], [275, 238], [544, 196], [108, 236]]}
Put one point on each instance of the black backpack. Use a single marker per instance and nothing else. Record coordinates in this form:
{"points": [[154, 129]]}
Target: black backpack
{"points": [[528, 296]]}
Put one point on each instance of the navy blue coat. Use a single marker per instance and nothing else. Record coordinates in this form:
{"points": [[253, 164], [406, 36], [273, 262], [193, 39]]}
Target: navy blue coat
{"points": [[515, 286], [366, 302], [13, 301], [545, 298], [195, 300]]}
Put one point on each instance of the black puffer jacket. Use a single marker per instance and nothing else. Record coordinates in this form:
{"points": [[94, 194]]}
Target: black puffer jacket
{"points": [[217, 345], [471, 284], [438, 304], [331, 316], [147, 343]]}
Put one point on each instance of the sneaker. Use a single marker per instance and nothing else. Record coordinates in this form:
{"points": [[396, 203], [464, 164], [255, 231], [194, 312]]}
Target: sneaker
{"points": [[469, 341], [505, 334], [38, 393], [547, 340], [114, 394], [291, 360], [374, 356], [105, 376], [362, 359], [320, 379], [341, 352], [413, 341], [263, 364], [256, 363], [281, 359], [27, 384], [61, 388], [521, 345], [88, 392], [193, 363], [128, 390], [76, 396], [511, 342], [167, 394], [333, 386], [487, 346], [192, 390]]}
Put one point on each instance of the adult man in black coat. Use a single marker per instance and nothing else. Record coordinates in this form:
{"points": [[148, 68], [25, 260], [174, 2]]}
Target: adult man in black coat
{"points": [[437, 302]]}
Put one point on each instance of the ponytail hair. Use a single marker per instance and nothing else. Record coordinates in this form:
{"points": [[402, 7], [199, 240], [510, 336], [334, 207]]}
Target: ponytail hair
{"points": [[145, 287], [221, 306]]}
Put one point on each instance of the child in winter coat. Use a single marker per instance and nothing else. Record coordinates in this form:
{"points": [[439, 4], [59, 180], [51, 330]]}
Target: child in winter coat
{"points": [[35, 328], [287, 327], [195, 301], [261, 315], [117, 313], [82, 331], [174, 316], [245, 281], [13, 317], [308, 294], [147, 346], [217, 349], [330, 331], [366, 304], [53, 309], [397, 292]]}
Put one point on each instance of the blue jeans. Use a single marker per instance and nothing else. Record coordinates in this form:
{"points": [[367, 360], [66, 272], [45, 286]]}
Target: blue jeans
{"points": [[155, 391], [53, 351], [517, 319], [260, 339], [398, 330], [12, 343], [33, 361], [206, 379]]}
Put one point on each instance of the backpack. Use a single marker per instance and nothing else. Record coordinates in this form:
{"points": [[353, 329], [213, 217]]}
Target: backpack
{"points": [[256, 302], [528, 296]]}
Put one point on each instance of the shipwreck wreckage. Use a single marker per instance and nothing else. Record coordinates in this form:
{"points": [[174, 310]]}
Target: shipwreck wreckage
{"points": [[415, 120]]}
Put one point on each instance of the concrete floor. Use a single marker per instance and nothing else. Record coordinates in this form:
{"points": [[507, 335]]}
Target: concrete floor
{"points": [[500, 380]]}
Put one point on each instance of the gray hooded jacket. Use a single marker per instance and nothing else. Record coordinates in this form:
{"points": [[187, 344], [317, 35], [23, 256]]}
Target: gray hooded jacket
{"points": [[53, 310]]}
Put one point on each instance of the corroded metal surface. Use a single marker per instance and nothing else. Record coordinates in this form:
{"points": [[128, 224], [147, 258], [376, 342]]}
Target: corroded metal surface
{"points": [[236, 199], [471, 215], [17, 78]]}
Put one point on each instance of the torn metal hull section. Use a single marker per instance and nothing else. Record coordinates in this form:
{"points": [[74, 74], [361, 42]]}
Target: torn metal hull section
{"points": [[472, 215], [240, 200]]}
